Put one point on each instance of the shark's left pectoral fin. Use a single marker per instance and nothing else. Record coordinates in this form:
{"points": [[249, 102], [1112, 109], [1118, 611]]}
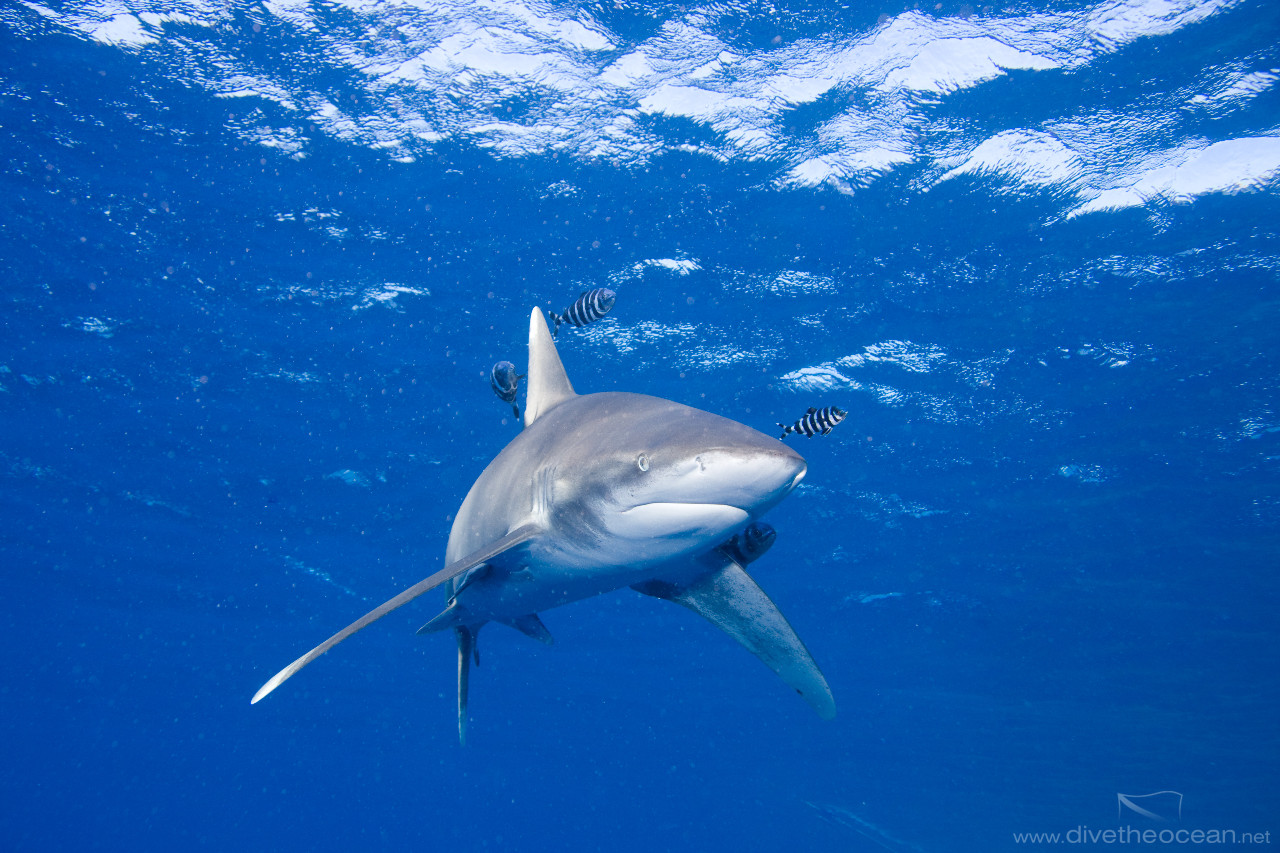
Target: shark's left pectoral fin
{"points": [[734, 603], [516, 537]]}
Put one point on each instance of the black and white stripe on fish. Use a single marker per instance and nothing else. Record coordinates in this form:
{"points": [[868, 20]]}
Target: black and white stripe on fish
{"points": [[587, 308], [814, 421], [505, 382]]}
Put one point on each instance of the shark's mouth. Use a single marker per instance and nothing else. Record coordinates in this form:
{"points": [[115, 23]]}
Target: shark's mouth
{"points": [[671, 520]]}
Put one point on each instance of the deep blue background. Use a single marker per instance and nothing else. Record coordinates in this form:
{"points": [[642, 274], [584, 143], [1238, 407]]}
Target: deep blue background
{"points": [[1034, 575]]}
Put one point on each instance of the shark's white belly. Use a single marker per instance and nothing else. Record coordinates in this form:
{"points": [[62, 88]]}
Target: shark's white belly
{"points": [[551, 575], [501, 597]]}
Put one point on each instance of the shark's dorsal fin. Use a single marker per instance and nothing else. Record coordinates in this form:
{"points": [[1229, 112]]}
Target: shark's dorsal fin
{"points": [[521, 534], [729, 599], [548, 385]]}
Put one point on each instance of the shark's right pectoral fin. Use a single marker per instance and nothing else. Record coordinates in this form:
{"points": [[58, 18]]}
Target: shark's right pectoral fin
{"points": [[516, 537], [734, 603]]}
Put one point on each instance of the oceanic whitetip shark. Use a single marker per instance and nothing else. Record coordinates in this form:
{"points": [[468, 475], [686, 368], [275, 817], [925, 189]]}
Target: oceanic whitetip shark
{"points": [[604, 491]]}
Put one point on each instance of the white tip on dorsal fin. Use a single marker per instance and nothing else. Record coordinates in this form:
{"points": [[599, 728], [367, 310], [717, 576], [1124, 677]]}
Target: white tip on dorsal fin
{"points": [[548, 386]]}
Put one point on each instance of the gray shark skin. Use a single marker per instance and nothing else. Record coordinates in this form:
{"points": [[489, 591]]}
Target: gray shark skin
{"points": [[605, 491]]}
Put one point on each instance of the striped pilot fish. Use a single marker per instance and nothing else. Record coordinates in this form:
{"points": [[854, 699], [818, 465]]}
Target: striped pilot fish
{"points": [[815, 421], [505, 382], [587, 308]]}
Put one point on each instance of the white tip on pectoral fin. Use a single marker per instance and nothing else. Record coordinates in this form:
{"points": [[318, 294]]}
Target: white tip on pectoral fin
{"points": [[512, 539], [734, 603]]}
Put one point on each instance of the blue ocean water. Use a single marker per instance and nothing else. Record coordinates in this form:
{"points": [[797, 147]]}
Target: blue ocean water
{"points": [[259, 258]]}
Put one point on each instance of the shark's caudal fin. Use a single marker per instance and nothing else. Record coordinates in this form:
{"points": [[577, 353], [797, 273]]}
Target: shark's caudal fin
{"points": [[529, 625], [466, 649], [548, 384], [519, 535], [734, 603]]}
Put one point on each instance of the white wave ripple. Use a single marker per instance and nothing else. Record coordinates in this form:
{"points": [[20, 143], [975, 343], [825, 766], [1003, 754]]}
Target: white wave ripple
{"points": [[525, 77], [947, 388], [1182, 175]]}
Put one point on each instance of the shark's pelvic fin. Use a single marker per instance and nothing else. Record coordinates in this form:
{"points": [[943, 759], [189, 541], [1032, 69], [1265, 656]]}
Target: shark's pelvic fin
{"points": [[466, 650], [548, 385], [521, 534], [531, 626], [734, 603], [450, 617]]}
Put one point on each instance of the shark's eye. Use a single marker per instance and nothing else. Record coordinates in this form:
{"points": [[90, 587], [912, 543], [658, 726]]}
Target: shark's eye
{"points": [[642, 462]]}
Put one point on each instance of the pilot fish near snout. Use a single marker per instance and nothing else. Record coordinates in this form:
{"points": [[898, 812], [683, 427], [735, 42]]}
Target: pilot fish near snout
{"points": [[815, 421]]}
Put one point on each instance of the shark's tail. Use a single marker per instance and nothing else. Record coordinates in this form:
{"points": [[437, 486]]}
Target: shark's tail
{"points": [[466, 651], [786, 431]]}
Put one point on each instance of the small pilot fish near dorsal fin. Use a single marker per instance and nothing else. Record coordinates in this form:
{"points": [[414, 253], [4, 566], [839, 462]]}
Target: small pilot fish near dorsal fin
{"points": [[548, 385]]}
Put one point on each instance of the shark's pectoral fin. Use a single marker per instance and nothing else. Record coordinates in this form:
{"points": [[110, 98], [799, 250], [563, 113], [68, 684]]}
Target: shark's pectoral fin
{"points": [[531, 626], [734, 603], [516, 537]]}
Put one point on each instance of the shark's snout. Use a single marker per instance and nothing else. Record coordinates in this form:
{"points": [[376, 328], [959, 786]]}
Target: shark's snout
{"points": [[795, 481], [751, 478], [788, 467]]}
